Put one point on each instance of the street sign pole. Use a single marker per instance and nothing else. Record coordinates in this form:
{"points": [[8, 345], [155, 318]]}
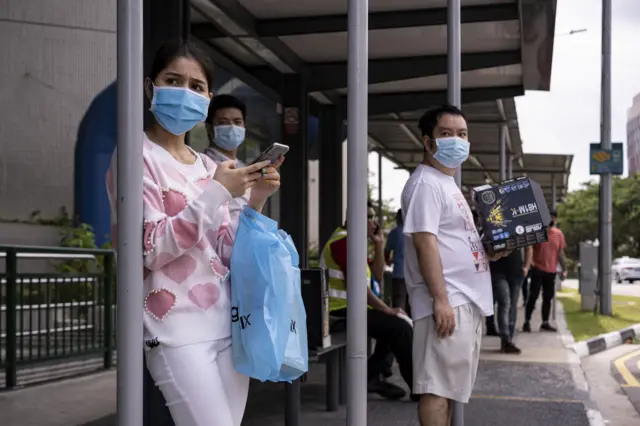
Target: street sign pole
{"points": [[454, 76], [605, 247]]}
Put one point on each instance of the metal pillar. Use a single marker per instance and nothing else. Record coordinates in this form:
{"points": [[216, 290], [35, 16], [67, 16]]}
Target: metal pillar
{"points": [[454, 76], [510, 167], [604, 255], [454, 59], [357, 153], [330, 146], [295, 171], [295, 186], [380, 212], [130, 293], [503, 153]]}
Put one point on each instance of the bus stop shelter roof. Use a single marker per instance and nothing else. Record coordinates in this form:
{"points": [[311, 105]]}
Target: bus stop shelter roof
{"points": [[507, 48]]}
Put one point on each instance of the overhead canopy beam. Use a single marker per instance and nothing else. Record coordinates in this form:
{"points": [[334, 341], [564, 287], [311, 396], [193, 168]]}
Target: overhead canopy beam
{"points": [[230, 65], [377, 20], [328, 76], [410, 101], [247, 22]]}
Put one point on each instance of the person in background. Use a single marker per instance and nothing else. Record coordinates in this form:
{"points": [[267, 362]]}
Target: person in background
{"points": [[543, 274], [394, 252], [226, 131], [225, 128], [188, 236], [507, 275], [393, 334], [446, 270]]}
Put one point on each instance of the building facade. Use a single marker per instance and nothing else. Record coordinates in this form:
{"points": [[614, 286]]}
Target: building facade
{"points": [[56, 61], [633, 136]]}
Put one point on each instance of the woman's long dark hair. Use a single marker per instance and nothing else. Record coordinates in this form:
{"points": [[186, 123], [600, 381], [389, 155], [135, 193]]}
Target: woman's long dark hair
{"points": [[174, 49]]}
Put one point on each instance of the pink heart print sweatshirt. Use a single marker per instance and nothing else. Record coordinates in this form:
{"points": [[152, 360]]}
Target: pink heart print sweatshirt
{"points": [[188, 233]]}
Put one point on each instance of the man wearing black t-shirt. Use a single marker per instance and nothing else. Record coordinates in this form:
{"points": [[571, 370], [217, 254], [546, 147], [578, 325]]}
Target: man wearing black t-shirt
{"points": [[507, 275]]}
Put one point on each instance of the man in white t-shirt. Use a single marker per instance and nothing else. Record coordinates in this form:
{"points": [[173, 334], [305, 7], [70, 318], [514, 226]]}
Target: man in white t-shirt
{"points": [[446, 270]]}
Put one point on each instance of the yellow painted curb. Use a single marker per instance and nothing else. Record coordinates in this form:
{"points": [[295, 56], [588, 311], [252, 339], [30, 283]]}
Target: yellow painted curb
{"points": [[629, 378]]}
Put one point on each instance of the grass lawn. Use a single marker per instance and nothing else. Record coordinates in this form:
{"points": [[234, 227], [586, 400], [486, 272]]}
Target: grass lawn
{"points": [[584, 325]]}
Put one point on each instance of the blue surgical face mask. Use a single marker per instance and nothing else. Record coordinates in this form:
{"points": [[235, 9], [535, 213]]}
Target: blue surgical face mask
{"points": [[178, 109], [452, 152], [228, 137]]}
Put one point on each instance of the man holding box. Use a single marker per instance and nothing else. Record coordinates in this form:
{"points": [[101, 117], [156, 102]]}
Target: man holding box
{"points": [[446, 270]]}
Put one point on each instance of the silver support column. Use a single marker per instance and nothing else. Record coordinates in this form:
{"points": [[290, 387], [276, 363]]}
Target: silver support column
{"points": [[503, 153], [454, 59], [380, 212], [454, 76], [357, 178], [130, 294], [554, 195], [604, 255]]}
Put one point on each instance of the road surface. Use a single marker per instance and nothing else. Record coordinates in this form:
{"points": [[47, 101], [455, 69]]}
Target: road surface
{"points": [[624, 289]]}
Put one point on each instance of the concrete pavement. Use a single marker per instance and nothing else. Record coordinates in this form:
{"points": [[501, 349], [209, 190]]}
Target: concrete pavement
{"points": [[545, 385], [624, 289]]}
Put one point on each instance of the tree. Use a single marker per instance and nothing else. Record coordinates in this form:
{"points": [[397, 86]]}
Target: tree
{"points": [[578, 216]]}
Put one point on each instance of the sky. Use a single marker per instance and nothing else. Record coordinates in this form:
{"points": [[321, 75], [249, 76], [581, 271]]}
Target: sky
{"points": [[566, 119]]}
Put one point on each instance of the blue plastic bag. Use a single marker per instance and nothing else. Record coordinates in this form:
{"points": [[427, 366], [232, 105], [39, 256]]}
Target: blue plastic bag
{"points": [[296, 357], [263, 299]]}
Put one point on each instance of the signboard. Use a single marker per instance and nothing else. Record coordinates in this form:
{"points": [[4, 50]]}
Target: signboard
{"points": [[291, 120], [603, 161]]}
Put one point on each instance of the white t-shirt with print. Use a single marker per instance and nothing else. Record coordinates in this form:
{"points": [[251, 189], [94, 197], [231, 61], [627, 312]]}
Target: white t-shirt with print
{"points": [[433, 203]]}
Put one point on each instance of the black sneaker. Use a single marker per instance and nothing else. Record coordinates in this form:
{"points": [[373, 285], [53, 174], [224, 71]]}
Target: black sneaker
{"points": [[385, 389], [545, 326], [526, 327], [510, 348]]}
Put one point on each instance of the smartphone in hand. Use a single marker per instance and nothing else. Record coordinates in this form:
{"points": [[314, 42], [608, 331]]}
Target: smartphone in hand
{"points": [[272, 153]]}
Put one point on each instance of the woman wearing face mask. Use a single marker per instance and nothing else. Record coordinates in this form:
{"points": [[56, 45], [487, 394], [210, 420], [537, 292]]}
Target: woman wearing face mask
{"points": [[226, 130], [188, 234]]}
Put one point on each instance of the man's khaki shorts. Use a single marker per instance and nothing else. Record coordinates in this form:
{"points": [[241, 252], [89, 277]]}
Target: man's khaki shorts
{"points": [[447, 367]]}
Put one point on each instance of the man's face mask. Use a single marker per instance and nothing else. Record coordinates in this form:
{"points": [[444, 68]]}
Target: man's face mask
{"points": [[228, 137], [452, 151]]}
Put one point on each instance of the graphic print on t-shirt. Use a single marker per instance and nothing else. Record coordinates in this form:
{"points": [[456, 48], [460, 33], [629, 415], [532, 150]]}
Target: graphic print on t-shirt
{"points": [[475, 244]]}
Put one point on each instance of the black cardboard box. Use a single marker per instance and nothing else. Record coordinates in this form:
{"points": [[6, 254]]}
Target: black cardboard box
{"points": [[512, 214]]}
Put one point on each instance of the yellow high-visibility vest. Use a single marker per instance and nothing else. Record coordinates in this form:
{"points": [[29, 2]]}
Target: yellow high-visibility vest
{"points": [[337, 280]]}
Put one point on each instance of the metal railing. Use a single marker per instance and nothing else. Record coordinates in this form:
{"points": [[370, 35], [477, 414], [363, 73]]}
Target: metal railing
{"points": [[49, 316]]}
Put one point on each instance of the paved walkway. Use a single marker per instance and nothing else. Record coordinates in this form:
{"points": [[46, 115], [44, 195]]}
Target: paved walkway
{"points": [[545, 385]]}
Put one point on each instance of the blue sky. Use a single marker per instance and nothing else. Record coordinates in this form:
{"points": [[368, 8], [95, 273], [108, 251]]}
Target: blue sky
{"points": [[566, 119]]}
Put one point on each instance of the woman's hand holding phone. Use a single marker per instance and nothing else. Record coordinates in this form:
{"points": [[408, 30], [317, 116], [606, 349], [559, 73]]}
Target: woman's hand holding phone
{"points": [[238, 180], [267, 185]]}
